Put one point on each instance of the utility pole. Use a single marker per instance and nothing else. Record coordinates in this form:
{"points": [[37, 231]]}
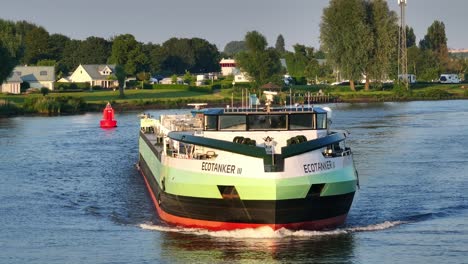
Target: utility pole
{"points": [[402, 51]]}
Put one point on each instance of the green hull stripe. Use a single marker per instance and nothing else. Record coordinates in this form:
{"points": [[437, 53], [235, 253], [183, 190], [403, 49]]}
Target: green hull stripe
{"points": [[198, 184]]}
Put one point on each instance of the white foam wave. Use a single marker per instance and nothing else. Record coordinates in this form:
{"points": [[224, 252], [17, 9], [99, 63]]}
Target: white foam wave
{"points": [[376, 227], [267, 232]]}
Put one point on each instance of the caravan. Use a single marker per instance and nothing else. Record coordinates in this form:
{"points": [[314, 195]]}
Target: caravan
{"points": [[449, 78], [411, 78]]}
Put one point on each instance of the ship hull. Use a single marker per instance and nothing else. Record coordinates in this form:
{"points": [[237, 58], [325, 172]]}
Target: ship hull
{"points": [[313, 212]]}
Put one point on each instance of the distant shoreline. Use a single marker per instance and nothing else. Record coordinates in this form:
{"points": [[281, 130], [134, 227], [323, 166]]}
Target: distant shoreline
{"points": [[69, 103]]}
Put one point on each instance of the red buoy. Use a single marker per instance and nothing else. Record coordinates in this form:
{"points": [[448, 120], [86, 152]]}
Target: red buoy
{"points": [[108, 120]]}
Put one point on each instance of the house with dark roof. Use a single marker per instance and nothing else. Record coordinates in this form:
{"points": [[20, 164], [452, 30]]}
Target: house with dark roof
{"points": [[95, 74]]}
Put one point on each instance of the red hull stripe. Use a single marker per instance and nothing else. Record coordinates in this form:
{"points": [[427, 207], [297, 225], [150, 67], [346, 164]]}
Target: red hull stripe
{"points": [[216, 226]]}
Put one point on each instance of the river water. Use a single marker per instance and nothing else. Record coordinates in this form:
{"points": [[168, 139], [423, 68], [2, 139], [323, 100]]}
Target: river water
{"points": [[70, 193]]}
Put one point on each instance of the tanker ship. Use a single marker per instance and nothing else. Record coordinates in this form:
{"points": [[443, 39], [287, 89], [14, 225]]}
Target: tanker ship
{"points": [[248, 167]]}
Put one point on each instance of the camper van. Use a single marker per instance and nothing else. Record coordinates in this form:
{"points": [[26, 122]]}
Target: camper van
{"points": [[449, 78], [410, 78]]}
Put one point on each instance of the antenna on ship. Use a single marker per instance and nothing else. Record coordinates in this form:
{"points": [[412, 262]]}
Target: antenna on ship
{"points": [[402, 51]]}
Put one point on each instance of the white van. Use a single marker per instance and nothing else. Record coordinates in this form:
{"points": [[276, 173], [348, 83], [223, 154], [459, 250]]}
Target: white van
{"points": [[449, 78]]}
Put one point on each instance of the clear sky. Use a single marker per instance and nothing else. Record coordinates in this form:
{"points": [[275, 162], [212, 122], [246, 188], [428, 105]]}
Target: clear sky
{"points": [[218, 21]]}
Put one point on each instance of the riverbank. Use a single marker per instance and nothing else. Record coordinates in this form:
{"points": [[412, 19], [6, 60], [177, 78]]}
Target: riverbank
{"points": [[62, 103]]}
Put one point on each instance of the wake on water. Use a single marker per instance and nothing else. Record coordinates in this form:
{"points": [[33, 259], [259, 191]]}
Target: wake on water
{"points": [[267, 232]]}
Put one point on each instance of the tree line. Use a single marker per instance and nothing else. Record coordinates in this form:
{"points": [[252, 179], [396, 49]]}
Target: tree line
{"points": [[358, 38], [28, 44]]}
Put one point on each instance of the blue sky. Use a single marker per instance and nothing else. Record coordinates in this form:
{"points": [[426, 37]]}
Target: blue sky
{"points": [[218, 21]]}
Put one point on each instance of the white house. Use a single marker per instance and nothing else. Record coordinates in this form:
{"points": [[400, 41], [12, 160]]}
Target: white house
{"points": [[95, 74], [240, 76], [227, 66], [37, 76], [12, 84]]}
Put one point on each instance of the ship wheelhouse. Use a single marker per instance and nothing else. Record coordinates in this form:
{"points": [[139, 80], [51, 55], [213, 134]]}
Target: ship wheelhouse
{"points": [[252, 120]]}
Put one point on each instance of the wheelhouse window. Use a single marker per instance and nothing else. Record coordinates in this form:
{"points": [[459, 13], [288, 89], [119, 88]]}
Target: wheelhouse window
{"points": [[211, 122], [232, 122], [301, 121], [321, 121], [267, 122]]}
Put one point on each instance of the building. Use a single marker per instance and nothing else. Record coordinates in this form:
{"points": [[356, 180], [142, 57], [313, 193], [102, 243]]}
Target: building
{"points": [[95, 74], [37, 76], [239, 76], [228, 66], [168, 80], [12, 84]]}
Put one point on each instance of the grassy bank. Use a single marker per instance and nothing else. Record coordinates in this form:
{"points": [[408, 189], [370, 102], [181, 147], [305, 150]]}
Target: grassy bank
{"points": [[179, 96]]}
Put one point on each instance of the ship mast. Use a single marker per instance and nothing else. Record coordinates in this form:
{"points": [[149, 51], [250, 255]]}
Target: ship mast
{"points": [[402, 49]]}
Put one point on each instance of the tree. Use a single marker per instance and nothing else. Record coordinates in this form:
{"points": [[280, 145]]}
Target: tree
{"points": [[346, 38], [128, 53], [174, 79], [279, 46], [178, 55], [436, 41], [195, 55], [121, 75], [410, 37], [8, 63], [302, 62], [382, 27], [56, 46], [234, 47], [262, 65], [45, 91], [70, 56], [10, 48], [187, 78], [206, 55], [94, 50], [36, 42], [143, 76], [155, 55], [423, 63]]}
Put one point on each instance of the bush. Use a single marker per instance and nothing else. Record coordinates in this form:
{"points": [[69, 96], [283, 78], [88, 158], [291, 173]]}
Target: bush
{"points": [[54, 105], [434, 93], [96, 87], [300, 80], [45, 91], [132, 84], [215, 86], [72, 86], [400, 91]]}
